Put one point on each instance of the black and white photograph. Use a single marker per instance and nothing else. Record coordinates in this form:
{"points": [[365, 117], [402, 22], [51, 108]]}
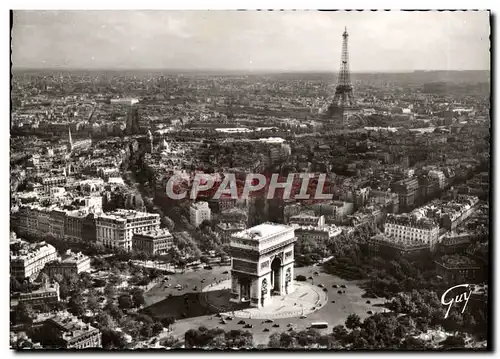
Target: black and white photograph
{"points": [[257, 180]]}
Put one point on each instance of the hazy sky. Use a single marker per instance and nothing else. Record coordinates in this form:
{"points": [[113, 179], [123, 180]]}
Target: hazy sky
{"points": [[251, 40]]}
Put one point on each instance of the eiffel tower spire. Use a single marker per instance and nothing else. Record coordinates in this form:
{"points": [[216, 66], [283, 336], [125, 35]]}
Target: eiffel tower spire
{"points": [[343, 92]]}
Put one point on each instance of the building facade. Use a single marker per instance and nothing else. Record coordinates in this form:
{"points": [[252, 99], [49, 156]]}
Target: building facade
{"points": [[153, 242], [306, 219], [70, 264], [66, 331], [199, 212], [116, 229], [31, 259], [409, 230], [46, 295], [408, 192]]}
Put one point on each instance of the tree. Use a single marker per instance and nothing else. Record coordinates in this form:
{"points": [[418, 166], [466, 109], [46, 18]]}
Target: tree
{"points": [[167, 222], [339, 332], [353, 321], [157, 328], [412, 343], [138, 297], [76, 305], [125, 302], [360, 343], [104, 320], [169, 342], [286, 340], [92, 302], [24, 313], [109, 291], [85, 280], [168, 321], [147, 330], [15, 286], [112, 339], [113, 310], [454, 342], [328, 341]]}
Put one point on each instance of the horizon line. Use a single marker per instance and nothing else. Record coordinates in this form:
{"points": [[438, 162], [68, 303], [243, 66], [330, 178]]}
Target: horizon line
{"points": [[20, 68]]}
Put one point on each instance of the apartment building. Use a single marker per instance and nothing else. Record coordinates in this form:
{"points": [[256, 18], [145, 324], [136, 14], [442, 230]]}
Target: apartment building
{"points": [[66, 331], [409, 229], [69, 264], [30, 259], [307, 219], [199, 212], [48, 294], [116, 229], [153, 242]]}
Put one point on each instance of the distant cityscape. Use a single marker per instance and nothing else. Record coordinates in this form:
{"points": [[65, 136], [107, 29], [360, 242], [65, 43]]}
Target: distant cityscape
{"points": [[102, 257]]}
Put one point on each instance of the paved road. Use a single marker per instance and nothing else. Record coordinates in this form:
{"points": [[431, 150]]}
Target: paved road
{"points": [[333, 313]]}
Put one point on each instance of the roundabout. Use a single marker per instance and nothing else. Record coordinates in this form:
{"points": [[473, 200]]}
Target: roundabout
{"points": [[305, 299]]}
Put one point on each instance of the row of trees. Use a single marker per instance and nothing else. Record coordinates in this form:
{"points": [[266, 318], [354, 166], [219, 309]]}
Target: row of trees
{"points": [[377, 332], [218, 338]]}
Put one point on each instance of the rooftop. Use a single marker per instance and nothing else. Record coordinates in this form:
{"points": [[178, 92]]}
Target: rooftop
{"points": [[411, 221], [72, 326], [262, 231], [200, 205], [125, 214], [162, 232]]}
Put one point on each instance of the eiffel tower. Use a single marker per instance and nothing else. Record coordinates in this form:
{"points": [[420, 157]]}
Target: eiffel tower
{"points": [[343, 92]]}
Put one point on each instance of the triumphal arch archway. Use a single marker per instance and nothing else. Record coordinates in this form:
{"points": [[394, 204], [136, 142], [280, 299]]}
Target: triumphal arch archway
{"points": [[262, 264]]}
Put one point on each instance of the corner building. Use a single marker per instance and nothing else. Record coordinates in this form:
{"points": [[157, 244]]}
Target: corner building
{"points": [[262, 264], [116, 229]]}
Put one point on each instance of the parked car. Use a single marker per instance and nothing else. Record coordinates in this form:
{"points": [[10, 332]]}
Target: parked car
{"points": [[268, 321], [325, 290], [333, 301], [343, 286], [248, 326], [241, 322], [266, 330], [276, 325], [335, 286], [370, 312], [339, 292], [368, 302], [208, 267], [225, 272]]}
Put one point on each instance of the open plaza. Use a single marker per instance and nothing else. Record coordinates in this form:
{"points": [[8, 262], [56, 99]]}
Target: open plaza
{"points": [[197, 286]]}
